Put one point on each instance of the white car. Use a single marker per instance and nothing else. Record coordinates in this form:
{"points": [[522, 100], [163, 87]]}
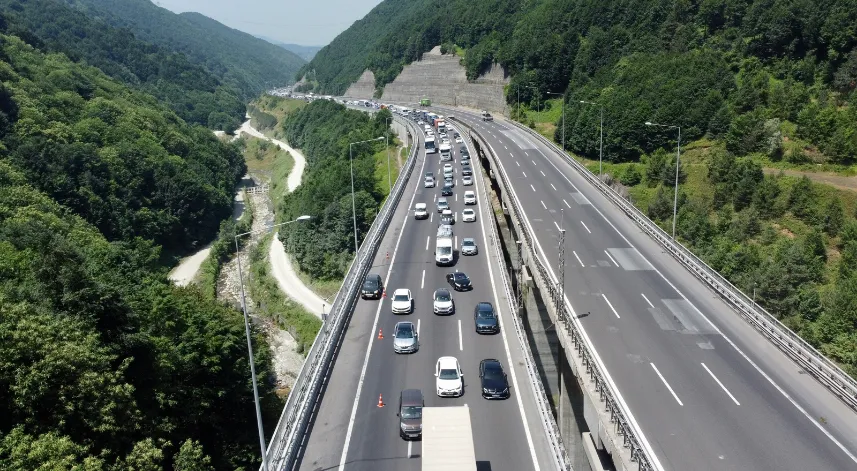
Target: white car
{"points": [[443, 303], [429, 182], [449, 382], [468, 215], [459, 140], [420, 211], [467, 180], [429, 133], [444, 140], [442, 135], [447, 169], [469, 197], [402, 301]]}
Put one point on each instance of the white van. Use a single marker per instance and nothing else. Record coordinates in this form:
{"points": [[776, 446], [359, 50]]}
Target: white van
{"points": [[420, 211], [445, 152]]}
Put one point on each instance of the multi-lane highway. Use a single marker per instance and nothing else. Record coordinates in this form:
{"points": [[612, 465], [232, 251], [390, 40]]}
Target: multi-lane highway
{"points": [[349, 430], [707, 391]]}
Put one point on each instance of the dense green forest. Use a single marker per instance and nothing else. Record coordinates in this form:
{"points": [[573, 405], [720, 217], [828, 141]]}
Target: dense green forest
{"points": [[324, 245], [189, 89], [114, 156], [243, 61], [104, 364]]}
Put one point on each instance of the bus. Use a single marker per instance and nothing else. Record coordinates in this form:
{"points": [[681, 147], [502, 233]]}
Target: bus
{"points": [[430, 145]]}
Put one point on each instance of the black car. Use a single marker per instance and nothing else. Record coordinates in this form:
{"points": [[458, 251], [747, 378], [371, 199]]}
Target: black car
{"points": [[467, 172], [465, 156], [459, 281], [485, 319], [463, 149], [373, 287], [495, 384], [446, 190]]}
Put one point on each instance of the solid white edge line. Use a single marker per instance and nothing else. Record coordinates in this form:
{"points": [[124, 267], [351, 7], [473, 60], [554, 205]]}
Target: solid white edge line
{"points": [[578, 259], [611, 305], [584, 226], [351, 419], [509, 361], [613, 259], [758, 369], [666, 384], [612, 384], [647, 300], [721, 385]]}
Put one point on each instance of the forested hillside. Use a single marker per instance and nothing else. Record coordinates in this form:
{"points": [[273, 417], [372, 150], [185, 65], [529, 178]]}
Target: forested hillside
{"points": [[239, 59], [104, 364], [324, 245], [190, 90]]}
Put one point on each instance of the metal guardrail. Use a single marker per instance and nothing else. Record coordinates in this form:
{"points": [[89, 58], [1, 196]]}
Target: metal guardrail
{"points": [[823, 369], [618, 415], [291, 428], [548, 421]]}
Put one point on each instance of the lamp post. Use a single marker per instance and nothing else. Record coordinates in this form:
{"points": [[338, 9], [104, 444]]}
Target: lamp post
{"points": [[387, 146], [601, 132], [563, 116], [677, 162], [249, 341], [353, 202]]}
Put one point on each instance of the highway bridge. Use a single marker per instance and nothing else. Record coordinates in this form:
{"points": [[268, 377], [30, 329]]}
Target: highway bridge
{"points": [[699, 387]]}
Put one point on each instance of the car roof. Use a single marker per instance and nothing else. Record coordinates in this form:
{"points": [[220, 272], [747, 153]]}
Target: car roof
{"points": [[402, 291], [469, 210], [484, 304], [405, 324], [492, 362], [441, 290], [373, 276], [412, 397], [442, 200], [447, 361], [420, 205], [469, 192]]}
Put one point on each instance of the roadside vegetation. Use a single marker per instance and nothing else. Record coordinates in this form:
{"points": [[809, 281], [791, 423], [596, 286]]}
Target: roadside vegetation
{"points": [[223, 248], [104, 363]]}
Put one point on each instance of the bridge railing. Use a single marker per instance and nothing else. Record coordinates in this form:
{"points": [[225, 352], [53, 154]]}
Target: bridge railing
{"points": [[618, 414], [811, 360], [289, 435]]}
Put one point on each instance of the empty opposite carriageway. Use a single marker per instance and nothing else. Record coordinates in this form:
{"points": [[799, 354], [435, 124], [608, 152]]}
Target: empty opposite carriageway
{"points": [[707, 390]]}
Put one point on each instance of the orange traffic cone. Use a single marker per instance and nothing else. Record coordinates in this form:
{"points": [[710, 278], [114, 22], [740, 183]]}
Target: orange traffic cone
{"points": [[380, 401], [385, 292], [380, 334]]}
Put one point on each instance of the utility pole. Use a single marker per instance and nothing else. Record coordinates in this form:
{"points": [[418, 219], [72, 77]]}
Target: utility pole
{"points": [[560, 304]]}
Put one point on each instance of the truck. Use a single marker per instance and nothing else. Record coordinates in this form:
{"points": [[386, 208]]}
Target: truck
{"points": [[441, 125], [445, 152], [425, 102], [443, 252], [447, 439]]}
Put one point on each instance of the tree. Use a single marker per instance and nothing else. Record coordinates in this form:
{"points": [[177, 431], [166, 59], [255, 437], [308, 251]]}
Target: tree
{"points": [[765, 199], [834, 216], [191, 458], [801, 199], [631, 176], [661, 207], [656, 165]]}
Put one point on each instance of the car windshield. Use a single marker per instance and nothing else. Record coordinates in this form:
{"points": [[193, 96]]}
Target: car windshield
{"points": [[448, 374], [493, 373], [468, 243], [485, 313], [370, 284], [412, 412], [400, 297], [442, 296], [462, 278], [445, 250], [405, 332]]}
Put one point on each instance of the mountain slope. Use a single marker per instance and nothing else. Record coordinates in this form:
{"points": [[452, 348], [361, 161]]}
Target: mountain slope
{"points": [[190, 90], [305, 52], [239, 59]]}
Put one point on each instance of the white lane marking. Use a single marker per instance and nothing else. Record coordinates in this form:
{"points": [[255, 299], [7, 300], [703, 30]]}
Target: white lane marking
{"points": [[534, 188], [721, 385], [578, 259], [666, 384], [543, 173], [460, 337], [455, 244], [543, 206], [584, 226], [423, 281], [410, 445], [456, 197], [418, 327], [509, 362], [435, 197], [611, 305], [647, 299], [519, 164], [431, 217], [554, 223], [525, 174], [534, 162], [428, 239], [566, 204], [612, 259], [527, 153], [504, 145], [351, 419], [656, 463], [554, 188]]}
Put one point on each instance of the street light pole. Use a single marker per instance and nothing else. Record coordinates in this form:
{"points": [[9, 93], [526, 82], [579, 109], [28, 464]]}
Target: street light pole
{"points": [[387, 146], [353, 201], [601, 138], [563, 116], [677, 163], [250, 343]]}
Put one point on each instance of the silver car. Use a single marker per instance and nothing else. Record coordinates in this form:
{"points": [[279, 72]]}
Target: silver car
{"points": [[406, 339], [468, 246], [443, 303]]}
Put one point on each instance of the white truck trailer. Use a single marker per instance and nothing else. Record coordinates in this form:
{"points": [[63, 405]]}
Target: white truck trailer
{"points": [[447, 439]]}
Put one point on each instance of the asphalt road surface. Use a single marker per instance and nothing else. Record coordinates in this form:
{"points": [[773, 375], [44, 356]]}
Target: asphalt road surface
{"points": [[350, 431], [708, 392]]}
